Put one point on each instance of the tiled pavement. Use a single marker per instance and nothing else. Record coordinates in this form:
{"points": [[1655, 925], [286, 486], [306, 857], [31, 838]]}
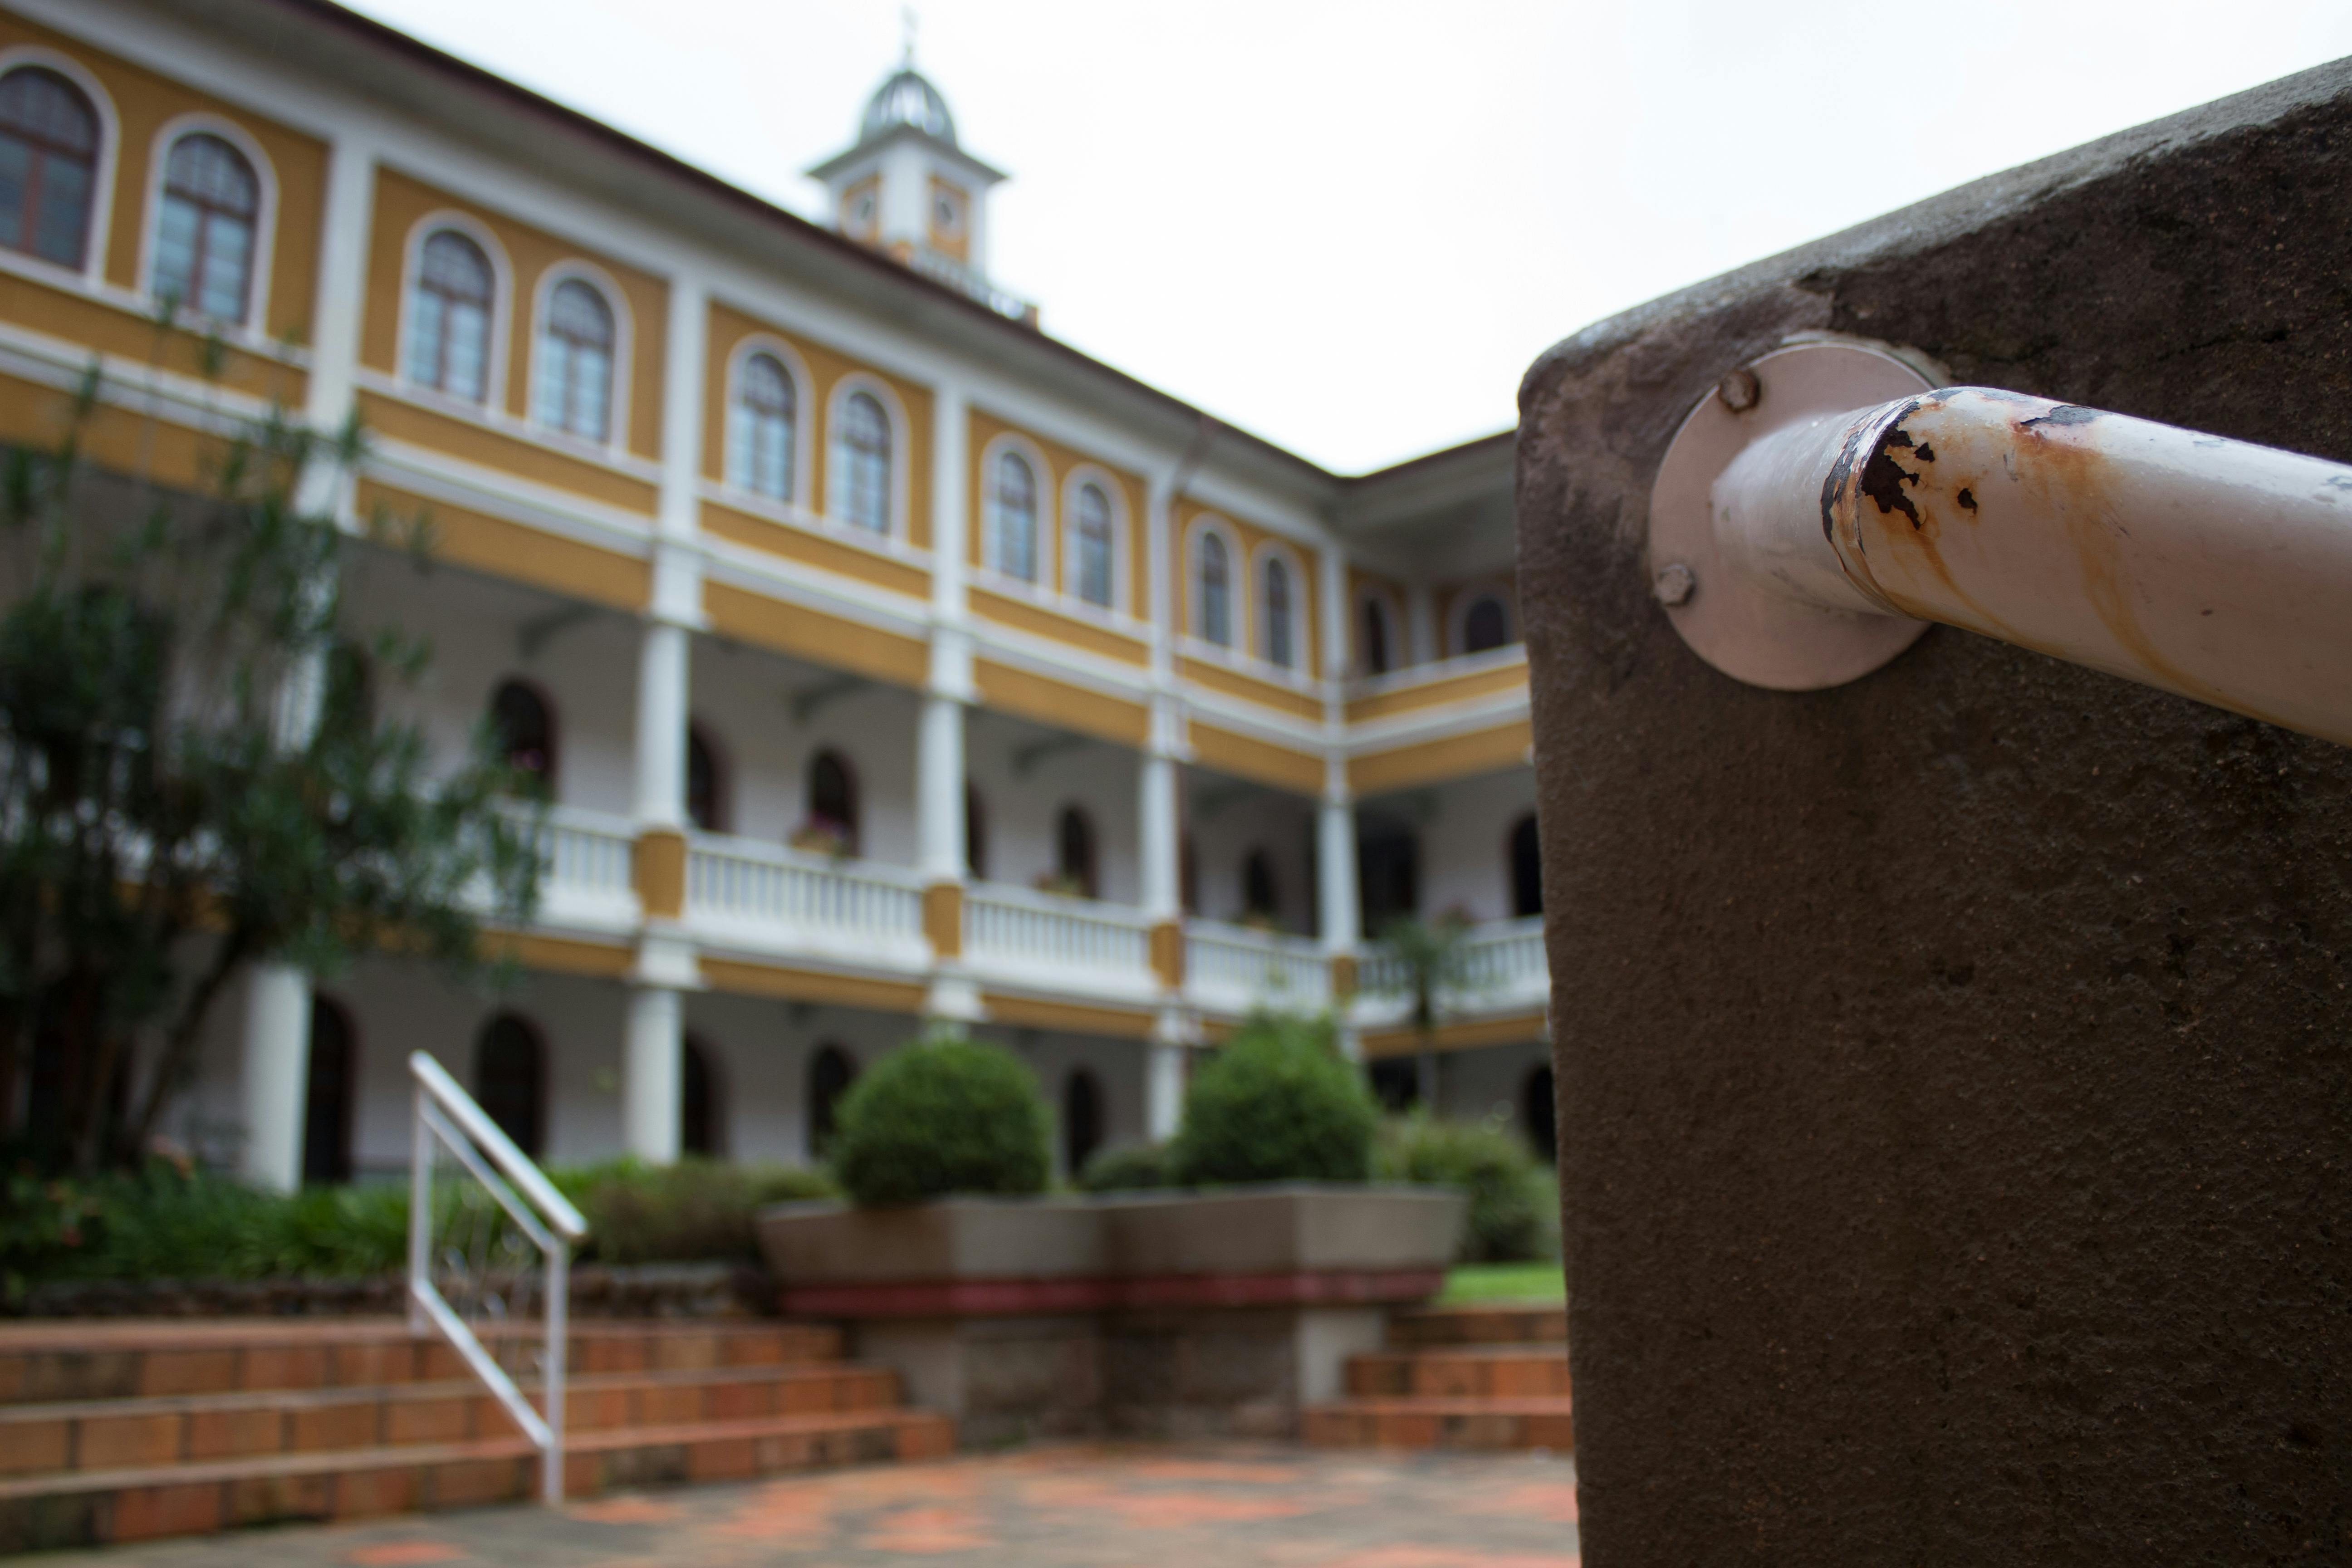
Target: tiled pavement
{"points": [[1076, 1506]]}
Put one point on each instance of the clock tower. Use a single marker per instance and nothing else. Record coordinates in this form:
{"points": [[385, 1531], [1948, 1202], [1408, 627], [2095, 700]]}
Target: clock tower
{"points": [[907, 188]]}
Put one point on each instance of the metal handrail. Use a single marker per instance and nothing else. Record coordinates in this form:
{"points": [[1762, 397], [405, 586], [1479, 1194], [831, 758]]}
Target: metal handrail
{"points": [[444, 1111]]}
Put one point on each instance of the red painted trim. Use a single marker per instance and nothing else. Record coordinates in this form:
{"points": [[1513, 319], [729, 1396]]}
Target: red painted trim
{"points": [[1048, 1297]]}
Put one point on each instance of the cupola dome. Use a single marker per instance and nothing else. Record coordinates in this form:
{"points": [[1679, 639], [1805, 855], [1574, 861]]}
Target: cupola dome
{"points": [[908, 98]]}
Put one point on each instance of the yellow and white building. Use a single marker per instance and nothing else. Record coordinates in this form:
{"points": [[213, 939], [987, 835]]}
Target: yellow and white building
{"points": [[886, 659]]}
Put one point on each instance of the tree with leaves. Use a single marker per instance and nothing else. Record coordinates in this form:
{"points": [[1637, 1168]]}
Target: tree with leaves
{"points": [[194, 773], [1432, 966]]}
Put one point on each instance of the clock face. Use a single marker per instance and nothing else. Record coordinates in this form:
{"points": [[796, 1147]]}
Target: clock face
{"points": [[946, 211]]}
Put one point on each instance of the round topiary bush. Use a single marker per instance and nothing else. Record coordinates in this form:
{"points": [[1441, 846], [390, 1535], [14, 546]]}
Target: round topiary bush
{"points": [[1514, 1203], [1277, 1104], [942, 1116], [1127, 1168]]}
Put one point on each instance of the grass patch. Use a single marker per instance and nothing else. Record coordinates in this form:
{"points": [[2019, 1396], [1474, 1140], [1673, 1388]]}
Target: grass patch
{"points": [[1484, 1284]]}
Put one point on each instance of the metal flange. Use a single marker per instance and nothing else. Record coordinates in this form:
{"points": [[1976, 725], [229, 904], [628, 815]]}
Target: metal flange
{"points": [[1750, 631]]}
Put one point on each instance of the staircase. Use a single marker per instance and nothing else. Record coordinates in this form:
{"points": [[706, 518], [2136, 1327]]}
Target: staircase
{"points": [[1479, 1378], [126, 1431]]}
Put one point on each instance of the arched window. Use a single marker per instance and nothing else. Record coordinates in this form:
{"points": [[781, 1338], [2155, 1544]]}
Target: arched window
{"points": [[1082, 1120], [332, 1087], [49, 165], [1388, 873], [1091, 535], [697, 1103], [1527, 868], [764, 429], [1216, 576], [450, 318], [525, 732], [1188, 874], [1074, 850], [975, 831], [1257, 886], [1276, 621], [861, 450], [831, 1072], [574, 390], [1539, 1115], [833, 796], [510, 1079], [204, 235], [702, 803], [1012, 516], [1484, 625], [1375, 649]]}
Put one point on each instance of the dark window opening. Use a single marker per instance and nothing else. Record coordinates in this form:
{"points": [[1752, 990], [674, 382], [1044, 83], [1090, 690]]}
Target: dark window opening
{"points": [[1527, 868], [510, 1080], [1082, 1119], [1396, 1084], [697, 1103], [1486, 625], [1276, 603], [832, 798], [830, 1074], [525, 733], [1538, 1115], [328, 1099], [1258, 901], [1376, 637], [1388, 877], [975, 833], [1188, 874], [1073, 845], [702, 807]]}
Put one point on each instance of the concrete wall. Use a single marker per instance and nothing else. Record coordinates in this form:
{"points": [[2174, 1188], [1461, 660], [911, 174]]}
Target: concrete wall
{"points": [[1957, 1101]]}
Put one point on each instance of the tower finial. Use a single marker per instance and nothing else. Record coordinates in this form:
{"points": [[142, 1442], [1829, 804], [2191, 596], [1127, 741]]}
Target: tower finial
{"points": [[910, 21]]}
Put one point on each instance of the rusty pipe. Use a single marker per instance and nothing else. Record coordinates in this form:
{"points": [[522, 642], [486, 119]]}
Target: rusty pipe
{"points": [[2215, 568]]}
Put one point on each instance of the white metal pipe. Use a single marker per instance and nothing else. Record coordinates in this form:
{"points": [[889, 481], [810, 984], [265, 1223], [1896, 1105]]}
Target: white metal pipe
{"points": [[2215, 568]]}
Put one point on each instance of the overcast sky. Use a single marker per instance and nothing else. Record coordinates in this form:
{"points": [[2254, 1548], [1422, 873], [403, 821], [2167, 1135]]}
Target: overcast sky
{"points": [[1349, 226]]}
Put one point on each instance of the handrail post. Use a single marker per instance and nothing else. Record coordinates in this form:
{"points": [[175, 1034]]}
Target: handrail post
{"points": [[420, 1211], [559, 1347]]}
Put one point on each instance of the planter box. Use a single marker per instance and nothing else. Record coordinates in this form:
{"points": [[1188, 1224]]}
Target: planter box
{"points": [[1177, 1313]]}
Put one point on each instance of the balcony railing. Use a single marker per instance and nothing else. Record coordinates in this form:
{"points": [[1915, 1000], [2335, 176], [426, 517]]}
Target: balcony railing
{"points": [[1048, 936], [1501, 964], [1233, 968], [941, 268], [773, 897]]}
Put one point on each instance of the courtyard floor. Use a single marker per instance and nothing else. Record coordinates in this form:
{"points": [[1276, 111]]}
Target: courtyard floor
{"points": [[1082, 1507]]}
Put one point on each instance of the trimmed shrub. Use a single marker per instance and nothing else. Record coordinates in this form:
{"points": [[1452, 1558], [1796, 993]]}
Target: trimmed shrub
{"points": [[942, 1116], [1514, 1207], [1277, 1104], [695, 1211], [1128, 1168]]}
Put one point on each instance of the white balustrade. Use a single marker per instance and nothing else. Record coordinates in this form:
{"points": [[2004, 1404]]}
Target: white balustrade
{"points": [[783, 897], [1234, 968], [586, 853], [1498, 966], [1076, 941]]}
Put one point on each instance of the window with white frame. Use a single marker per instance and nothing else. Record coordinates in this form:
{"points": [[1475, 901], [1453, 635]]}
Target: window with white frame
{"points": [[764, 429], [1275, 617], [1012, 516], [861, 452], [1091, 543], [574, 391], [1214, 579], [449, 304], [49, 165], [207, 228]]}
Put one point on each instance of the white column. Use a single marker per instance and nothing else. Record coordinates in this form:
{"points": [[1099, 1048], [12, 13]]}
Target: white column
{"points": [[1421, 624], [1335, 860], [276, 1076], [1163, 1091], [938, 791], [663, 693], [275, 1058], [1158, 837], [652, 1072]]}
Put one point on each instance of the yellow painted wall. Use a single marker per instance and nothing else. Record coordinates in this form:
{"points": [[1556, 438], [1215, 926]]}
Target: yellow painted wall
{"points": [[1246, 757], [516, 552], [828, 641], [1434, 762], [1438, 693], [813, 549], [401, 200], [472, 443], [730, 327], [1060, 460]]}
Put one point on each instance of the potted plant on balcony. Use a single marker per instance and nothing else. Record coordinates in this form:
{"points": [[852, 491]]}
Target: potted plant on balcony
{"points": [[823, 836]]}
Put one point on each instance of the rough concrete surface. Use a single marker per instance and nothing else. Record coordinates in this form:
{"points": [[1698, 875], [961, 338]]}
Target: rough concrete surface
{"points": [[1956, 1096]]}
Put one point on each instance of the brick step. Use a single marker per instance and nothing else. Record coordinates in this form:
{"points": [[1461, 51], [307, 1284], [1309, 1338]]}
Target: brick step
{"points": [[55, 1361], [1474, 1373], [1482, 1424], [114, 1434], [97, 1506], [1432, 1327]]}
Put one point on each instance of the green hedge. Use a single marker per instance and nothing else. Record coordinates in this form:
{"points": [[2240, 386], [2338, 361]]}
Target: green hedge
{"points": [[169, 1222], [1278, 1103], [942, 1116], [1129, 1168], [1513, 1202]]}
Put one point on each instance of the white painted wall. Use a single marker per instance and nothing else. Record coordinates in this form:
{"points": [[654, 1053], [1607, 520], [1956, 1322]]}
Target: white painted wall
{"points": [[1226, 821], [1464, 827], [1024, 805]]}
